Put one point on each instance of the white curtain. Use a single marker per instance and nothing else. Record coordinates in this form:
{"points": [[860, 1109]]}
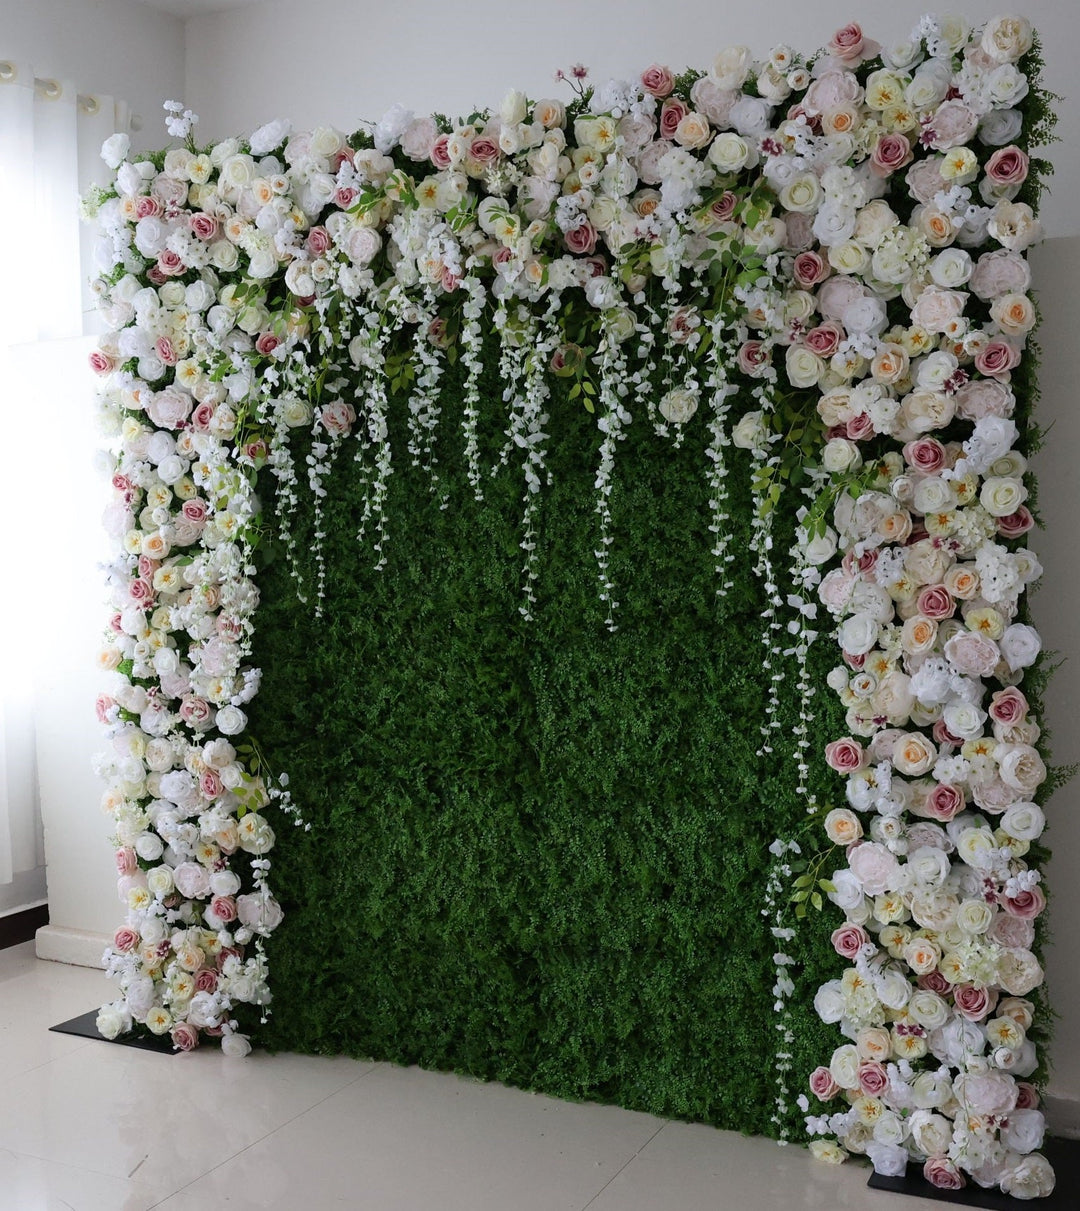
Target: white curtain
{"points": [[50, 139]]}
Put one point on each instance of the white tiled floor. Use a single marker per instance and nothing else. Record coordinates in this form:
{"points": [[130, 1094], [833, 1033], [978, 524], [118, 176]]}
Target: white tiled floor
{"points": [[87, 1126]]}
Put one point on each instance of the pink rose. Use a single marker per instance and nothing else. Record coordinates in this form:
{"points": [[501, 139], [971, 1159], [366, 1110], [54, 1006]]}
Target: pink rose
{"points": [[972, 654], [141, 591], [972, 1002], [1025, 905], [845, 755], [206, 979], [484, 150], [925, 454], [848, 940], [952, 125], [169, 264], [936, 602], [891, 152], [1008, 706], [202, 417], [1027, 1096], [998, 357], [851, 46], [872, 1077], [942, 735], [657, 81], [184, 1037], [203, 226], [1007, 166], [101, 363], [147, 207], [810, 268], [724, 207], [860, 428], [224, 908], [195, 510], [671, 114], [944, 802], [318, 241], [196, 712], [266, 343], [581, 240], [344, 196], [210, 784], [440, 156], [753, 358], [1000, 272], [983, 397], [836, 295], [941, 1173], [103, 707], [1014, 525], [934, 981], [824, 340], [823, 1084], [166, 351], [125, 940]]}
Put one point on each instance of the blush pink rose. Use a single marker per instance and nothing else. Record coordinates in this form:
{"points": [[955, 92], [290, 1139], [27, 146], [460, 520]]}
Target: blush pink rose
{"points": [[942, 735], [874, 867], [848, 940], [860, 428], [210, 784], [206, 979], [318, 241], [581, 240], [170, 408], [936, 308], [934, 981], [266, 343], [166, 350], [810, 268], [936, 602], [1015, 525], [1008, 706], [1007, 166], [926, 454], [103, 704], [202, 417], [224, 908], [184, 1037], [125, 940], [1014, 933], [753, 358], [942, 1174], [344, 196], [872, 1077], [851, 46], [944, 802], [823, 1084], [924, 181], [148, 566], [972, 1002], [338, 417], [1025, 905], [832, 90], [1027, 1096], [101, 363], [440, 156], [196, 712], [170, 264], [845, 755], [891, 153], [998, 357], [484, 150], [657, 81], [671, 114], [203, 226], [195, 510], [724, 207], [824, 340]]}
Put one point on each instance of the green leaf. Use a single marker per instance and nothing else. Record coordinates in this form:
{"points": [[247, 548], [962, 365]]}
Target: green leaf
{"points": [[815, 899]]}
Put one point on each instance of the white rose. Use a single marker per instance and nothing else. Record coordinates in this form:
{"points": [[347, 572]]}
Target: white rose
{"points": [[804, 367], [829, 1002], [974, 916], [933, 495], [858, 634], [889, 1160], [113, 1020], [750, 431], [928, 1009], [1002, 495], [234, 1045], [1024, 1131], [1020, 645], [1024, 821], [1000, 127], [732, 66], [839, 454], [892, 989], [951, 268], [230, 720], [964, 719], [678, 405], [1021, 767], [844, 1066]]}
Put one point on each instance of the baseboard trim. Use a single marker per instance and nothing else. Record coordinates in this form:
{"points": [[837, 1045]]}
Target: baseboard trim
{"points": [[20, 926], [76, 946], [1063, 1116]]}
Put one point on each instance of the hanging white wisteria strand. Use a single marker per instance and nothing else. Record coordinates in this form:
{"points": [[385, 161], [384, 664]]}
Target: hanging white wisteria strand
{"points": [[866, 213], [775, 907]]}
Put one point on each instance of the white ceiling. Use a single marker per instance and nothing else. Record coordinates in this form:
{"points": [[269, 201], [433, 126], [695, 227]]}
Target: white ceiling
{"points": [[192, 8]]}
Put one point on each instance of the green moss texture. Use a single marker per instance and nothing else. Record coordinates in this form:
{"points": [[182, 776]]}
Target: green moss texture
{"points": [[538, 850]]}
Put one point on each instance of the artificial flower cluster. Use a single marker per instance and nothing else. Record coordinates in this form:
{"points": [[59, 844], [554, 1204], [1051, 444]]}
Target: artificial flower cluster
{"points": [[836, 242]]}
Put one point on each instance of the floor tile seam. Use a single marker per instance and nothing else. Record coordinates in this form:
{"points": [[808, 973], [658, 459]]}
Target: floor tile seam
{"points": [[45, 1063], [623, 1166], [51, 1160], [280, 1127]]}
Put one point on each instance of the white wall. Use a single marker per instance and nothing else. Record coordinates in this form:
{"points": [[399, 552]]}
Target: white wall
{"points": [[136, 54], [253, 64]]}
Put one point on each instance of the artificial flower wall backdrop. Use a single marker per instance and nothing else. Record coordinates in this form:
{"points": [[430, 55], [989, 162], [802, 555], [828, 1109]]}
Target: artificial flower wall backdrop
{"points": [[607, 516]]}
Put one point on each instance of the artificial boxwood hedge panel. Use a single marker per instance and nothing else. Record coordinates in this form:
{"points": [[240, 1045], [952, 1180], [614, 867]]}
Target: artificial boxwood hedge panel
{"points": [[537, 849]]}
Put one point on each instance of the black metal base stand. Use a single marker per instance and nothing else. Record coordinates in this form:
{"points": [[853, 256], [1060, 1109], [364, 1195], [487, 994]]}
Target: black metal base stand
{"points": [[85, 1026]]}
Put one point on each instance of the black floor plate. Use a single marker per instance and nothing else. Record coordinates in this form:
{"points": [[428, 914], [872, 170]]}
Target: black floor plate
{"points": [[1064, 1155], [85, 1025]]}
